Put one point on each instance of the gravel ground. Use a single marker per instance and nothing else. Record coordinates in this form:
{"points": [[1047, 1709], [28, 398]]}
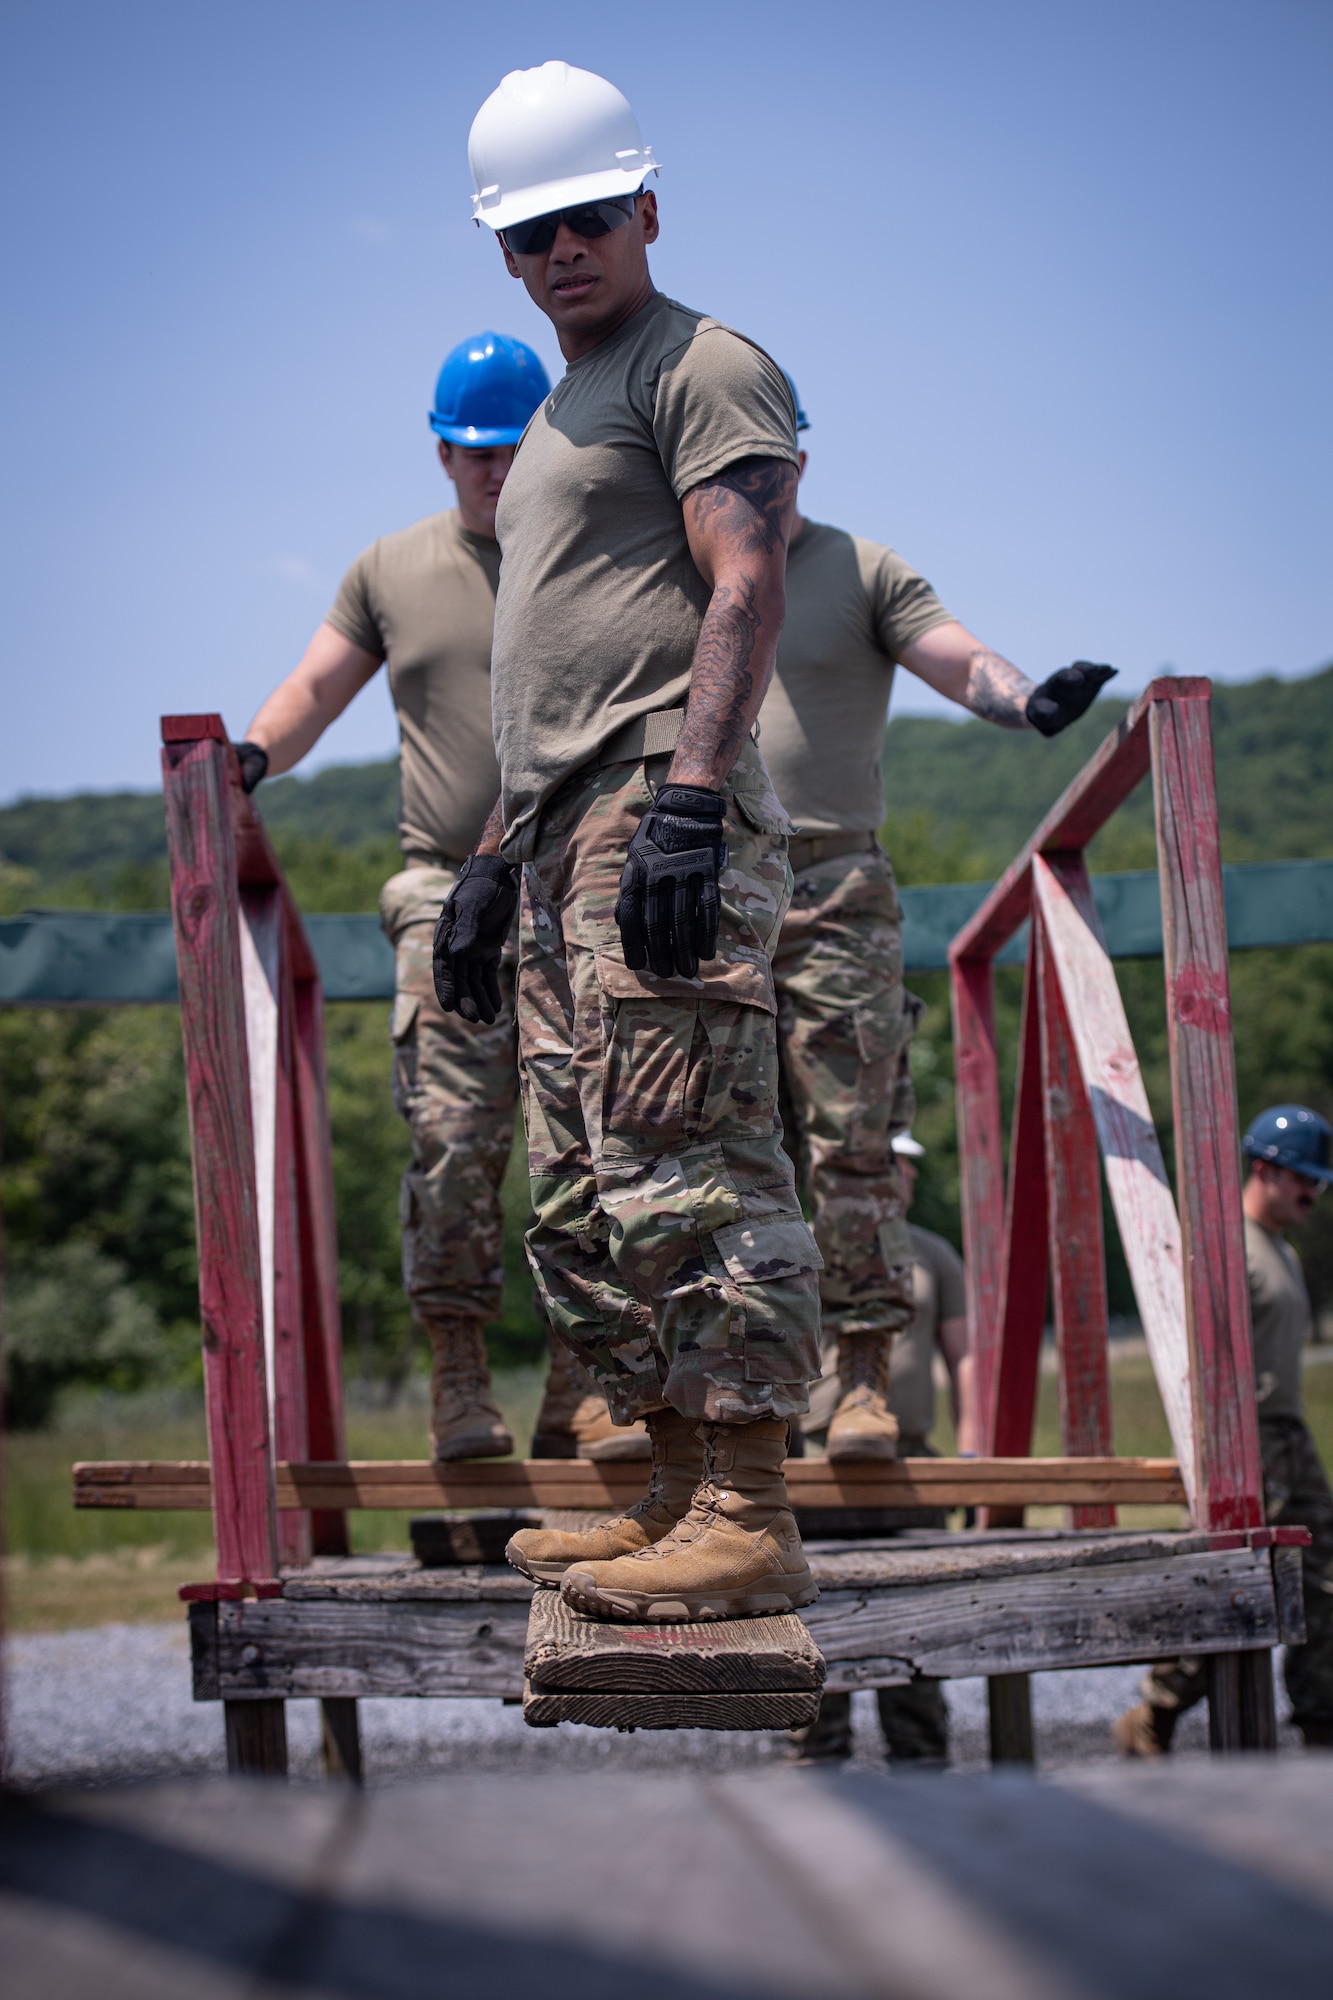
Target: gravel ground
{"points": [[114, 1704]]}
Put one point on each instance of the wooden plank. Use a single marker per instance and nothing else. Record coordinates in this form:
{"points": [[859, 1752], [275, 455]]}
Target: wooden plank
{"points": [[321, 1317], [730, 1656], [257, 1738], [1009, 1420], [1289, 1586], [281, 1647], [574, 1483], [792, 1709], [1031, 1623], [1226, 1476], [1241, 1711], [1077, 1252], [1009, 1713], [206, 915], [1082, 809], [1135, 1172], [1026, 1621], [981, 1161]]}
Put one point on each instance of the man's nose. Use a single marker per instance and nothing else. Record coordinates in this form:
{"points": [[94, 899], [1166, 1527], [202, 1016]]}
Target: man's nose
{"points": [[568, 245]]}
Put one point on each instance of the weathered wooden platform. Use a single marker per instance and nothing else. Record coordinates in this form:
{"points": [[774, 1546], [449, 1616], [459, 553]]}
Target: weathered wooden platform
{"points": [[1118, 1884], [740, 1673], [948, 1606]]}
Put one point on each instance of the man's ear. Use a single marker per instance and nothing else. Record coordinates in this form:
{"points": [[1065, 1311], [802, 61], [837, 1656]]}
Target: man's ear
{"points": [[648, 215], [802, 458], [446, 456], [510, 265]]}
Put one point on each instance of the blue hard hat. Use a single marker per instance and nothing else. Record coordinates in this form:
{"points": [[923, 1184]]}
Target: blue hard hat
{"points": [[802, 421], [1291, 1136], [488, 388]]}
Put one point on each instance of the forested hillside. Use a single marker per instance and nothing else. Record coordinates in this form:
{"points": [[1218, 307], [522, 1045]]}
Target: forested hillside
{"points": [[96, 1177], [981, 789]]}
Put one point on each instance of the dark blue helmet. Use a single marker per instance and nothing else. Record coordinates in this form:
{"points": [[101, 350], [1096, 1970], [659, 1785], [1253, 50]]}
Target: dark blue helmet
{"points": [[802, 421], [1291, 1136], [488, 388]]}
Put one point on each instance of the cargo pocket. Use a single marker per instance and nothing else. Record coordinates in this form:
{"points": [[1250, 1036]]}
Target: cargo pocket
{"points": [[770, 1244]]}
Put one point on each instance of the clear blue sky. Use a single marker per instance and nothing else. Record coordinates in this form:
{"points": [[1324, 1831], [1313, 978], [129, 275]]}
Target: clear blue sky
{"points": [[1054, 281]]}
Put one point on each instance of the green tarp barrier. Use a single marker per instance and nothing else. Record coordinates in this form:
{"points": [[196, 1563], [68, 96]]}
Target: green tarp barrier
{"points": [[111, 958]]}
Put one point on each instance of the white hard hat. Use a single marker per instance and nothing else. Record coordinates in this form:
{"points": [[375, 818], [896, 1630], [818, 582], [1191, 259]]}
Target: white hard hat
{"points": [[550, 138], [905, 1143]]}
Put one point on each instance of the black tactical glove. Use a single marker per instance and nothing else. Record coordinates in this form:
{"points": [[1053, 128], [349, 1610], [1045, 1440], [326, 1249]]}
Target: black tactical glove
{"points": [[669, 906], [253, 762], [471, 934], [1066, 695]]}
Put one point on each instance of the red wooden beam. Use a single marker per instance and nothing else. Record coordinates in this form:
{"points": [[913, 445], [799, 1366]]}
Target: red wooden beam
{"points": [[1015, 1369], [980, 1150], [206, 912], [320, 1309], [1081, 811], [1077, 1252], [1228, 1471]]}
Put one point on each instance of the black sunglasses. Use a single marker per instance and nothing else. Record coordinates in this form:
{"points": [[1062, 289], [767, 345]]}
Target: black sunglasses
{"points": [[588, 219]]}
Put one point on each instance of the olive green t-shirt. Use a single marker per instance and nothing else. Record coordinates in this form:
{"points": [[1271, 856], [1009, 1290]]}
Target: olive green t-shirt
{"points": [[851, 608], [424, 601], [600, 603], [1282, 1320], [939, 1291]]}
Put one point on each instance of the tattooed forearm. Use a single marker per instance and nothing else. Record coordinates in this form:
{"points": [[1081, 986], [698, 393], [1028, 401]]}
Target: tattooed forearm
{"points": [[996, 691], [737, 525], [725, 691]]}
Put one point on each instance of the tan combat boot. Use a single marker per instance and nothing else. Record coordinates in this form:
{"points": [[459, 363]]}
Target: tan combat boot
{"points": [[464, 1420], [545, 1554], [1145, 1730], [569, 1386], [863, 1425], [736, 1554], [604, 1441]]}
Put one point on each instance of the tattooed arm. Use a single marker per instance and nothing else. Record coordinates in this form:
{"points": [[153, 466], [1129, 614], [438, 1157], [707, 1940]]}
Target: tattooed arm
{"points": [[955, 664], [737, 525]]}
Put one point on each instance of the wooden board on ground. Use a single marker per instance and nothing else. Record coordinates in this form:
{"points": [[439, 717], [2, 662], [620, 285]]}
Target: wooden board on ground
{"points": [[572, 1483], [736, 1673]]}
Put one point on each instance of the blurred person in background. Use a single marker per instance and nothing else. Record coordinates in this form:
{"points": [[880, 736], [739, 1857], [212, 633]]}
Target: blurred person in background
{"points": [[422, 603], [1288, 1150]]}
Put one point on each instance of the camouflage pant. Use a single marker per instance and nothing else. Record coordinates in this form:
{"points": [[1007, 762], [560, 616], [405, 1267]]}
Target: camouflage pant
{"points": [[668, 1243], [457, 1087], [844, 1023], [1296, 1495]]}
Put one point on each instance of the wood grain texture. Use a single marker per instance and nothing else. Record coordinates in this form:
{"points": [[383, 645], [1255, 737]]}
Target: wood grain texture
{"points": [[1226, 1477], [981, 1162], [1135, 1172], [1009, 1713], [1074, 1216], [206, 915], [285, 1648], [573, 1483], [542, 1709], [1289, 1584], [1151, 1610], [732, 1656], [257, 1738]]}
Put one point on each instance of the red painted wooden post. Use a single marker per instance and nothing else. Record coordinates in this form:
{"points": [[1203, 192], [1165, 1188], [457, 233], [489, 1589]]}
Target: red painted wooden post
{"points": [[1077, 1252], [206, 912], [1228, 1472], [321, 1313], [981, 1160], [1023, 1298]]}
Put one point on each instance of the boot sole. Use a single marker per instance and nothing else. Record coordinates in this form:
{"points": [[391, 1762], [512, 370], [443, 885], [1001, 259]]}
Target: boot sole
{"points": [[450, 1453], [546, 1574], [861, 1453], [686, 1607]]}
